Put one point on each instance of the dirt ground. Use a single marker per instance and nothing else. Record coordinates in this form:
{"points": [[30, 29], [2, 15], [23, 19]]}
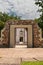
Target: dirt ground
{"points": [[17, 55]]}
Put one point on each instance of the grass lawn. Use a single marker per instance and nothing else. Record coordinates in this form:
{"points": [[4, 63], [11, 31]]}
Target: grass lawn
{"points": [[32, 63]]}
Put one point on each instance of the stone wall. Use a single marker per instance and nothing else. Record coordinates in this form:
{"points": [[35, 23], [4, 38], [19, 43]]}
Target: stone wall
{"points": [[35, 29], [41, 39], [4, 36], [36, 36]]}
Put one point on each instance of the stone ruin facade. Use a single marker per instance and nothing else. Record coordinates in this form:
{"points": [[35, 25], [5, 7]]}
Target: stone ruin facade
{"points": [[37, 40]]}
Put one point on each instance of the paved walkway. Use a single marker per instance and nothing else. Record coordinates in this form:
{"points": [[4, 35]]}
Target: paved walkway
{"points": [[17, 55]]}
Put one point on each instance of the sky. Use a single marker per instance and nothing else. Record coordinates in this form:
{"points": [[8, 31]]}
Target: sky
{"points": [[26, 9]]}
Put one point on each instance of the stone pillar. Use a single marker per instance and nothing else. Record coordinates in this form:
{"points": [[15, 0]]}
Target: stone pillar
{"points": [[12, 38], [29, 45]]}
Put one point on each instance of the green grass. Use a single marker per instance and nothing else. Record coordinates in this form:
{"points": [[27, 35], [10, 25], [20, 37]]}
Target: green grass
{"points": [[32, 63]]}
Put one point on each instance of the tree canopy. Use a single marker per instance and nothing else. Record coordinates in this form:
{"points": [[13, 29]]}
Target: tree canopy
{"points": [[40, 20], [4, 17]]}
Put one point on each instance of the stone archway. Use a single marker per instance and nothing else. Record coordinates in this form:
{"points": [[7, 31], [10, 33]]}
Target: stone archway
{"points": [[13, 37]]}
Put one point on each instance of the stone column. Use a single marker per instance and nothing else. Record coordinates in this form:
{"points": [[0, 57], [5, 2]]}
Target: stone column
{"points": [[29, 36]]}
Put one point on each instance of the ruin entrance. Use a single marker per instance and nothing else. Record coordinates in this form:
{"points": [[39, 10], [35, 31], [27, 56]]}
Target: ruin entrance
{"points": [[9, 35], [21, 36]]}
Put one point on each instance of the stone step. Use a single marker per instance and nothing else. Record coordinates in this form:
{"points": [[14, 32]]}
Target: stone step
{"points": [[21, 46]]}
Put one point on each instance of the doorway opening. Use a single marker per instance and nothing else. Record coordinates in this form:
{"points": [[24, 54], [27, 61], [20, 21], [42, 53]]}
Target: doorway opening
{"points": [[21, 36], [21, 39]]}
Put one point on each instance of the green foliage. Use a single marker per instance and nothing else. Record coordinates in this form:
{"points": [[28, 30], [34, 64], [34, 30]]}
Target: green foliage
{"points": [[1, 25], [39, 2], [37, 20], [32, 63], [40, 20], [4, 17]]}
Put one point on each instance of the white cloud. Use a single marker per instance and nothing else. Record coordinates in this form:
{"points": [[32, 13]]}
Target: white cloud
{"points": [[25, 8]]}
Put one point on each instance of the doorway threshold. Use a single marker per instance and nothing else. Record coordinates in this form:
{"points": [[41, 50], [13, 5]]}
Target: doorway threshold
{"points": [[20, 46]]}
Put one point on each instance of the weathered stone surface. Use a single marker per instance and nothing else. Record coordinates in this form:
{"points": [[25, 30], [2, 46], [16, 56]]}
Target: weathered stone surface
{"points": [[35, 29]]}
